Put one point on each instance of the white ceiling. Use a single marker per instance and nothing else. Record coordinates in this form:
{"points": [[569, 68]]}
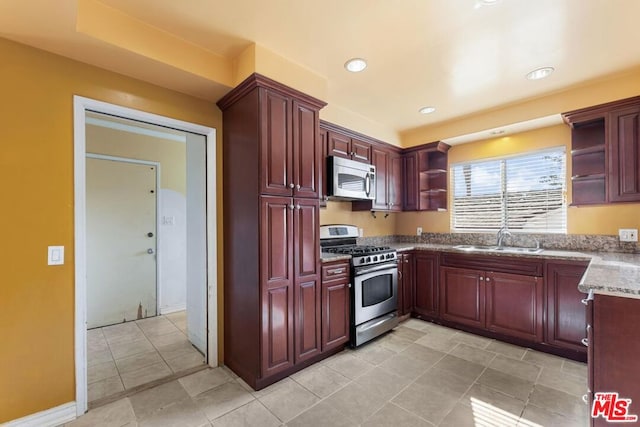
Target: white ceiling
{"points": [[451, 54]]}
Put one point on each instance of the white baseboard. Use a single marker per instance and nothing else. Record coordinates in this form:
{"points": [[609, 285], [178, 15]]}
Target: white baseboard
{"points": [[173, 308], [49, 418]]}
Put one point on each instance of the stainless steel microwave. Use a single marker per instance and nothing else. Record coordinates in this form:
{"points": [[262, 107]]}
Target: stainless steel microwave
{"points": [[350, 180]]}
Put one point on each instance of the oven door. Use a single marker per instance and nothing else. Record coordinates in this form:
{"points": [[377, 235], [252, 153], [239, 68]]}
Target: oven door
{"points": [[375, 292]]}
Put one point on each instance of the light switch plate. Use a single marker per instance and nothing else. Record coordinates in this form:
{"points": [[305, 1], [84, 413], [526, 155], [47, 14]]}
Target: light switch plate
{"points": [[55, 255], [419, 231]]}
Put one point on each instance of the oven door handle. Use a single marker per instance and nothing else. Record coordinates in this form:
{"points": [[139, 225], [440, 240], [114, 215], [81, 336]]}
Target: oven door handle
{"points": [[385, 266]]}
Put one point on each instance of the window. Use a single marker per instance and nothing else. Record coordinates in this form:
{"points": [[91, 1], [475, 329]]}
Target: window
{"points": [[523, 193]]}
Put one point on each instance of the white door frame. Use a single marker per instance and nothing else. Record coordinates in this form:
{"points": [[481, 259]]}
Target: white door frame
{"points": [[157, 213], [80, 107]]}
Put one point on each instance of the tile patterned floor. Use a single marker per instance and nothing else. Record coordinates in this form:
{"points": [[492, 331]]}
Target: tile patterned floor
{"points": [[126, 355], [418, 375]]}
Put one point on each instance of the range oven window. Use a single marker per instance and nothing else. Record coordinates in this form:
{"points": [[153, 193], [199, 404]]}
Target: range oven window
{"points": [[377, 289]]}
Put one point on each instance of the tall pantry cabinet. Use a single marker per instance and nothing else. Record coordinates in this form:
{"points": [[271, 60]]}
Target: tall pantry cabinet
{"points": [[271, 175]]}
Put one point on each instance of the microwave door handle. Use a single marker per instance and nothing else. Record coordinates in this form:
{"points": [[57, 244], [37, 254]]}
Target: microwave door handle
{"points": [[367, 184]]}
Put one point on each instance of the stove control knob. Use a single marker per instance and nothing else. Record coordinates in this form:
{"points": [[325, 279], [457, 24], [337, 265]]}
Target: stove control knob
{"points": [[389, 255], [368, 259], [375, 258], [362, 260]]}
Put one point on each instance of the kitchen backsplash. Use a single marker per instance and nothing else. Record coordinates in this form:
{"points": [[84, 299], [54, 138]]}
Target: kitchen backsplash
{"points": [[570, 242]]}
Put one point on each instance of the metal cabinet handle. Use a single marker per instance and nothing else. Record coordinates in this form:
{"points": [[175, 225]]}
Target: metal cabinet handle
{"points": [[584, 301], [291, 206], [349, 284], [298, 207], [297, 186], [291, 185], [336, 271], [481, 278], [585, 342]]}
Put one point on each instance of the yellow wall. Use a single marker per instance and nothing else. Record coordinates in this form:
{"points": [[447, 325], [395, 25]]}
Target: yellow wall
{"points": [[340, 213], [172, 155], [36, 171], [582, 220]]}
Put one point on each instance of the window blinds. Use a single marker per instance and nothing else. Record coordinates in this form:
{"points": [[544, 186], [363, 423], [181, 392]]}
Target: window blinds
{"points": [[524, 193]]}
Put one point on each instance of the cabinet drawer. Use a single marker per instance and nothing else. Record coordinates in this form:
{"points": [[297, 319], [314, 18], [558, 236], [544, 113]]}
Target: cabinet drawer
{"points": [[335, 271]]}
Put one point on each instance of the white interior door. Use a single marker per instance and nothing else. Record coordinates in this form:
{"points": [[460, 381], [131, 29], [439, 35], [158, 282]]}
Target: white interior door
{"points": [[197, 241], [121, 241]]}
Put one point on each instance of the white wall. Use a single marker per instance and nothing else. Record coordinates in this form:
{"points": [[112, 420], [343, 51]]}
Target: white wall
{"points": [[173, 250]]}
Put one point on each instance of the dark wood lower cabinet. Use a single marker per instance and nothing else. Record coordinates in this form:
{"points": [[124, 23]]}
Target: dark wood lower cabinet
{"points": [[462, 296], [307, 320], [425, 290], [514, 305], [614, 346], [406, 279], [335, 305], [566, 323]]}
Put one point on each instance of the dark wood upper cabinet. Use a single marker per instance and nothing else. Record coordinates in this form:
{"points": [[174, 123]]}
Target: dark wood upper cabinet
{"points": [[323, 135], [381, 162], [605, 152], [426, 285], [624, 159], [306, 150], [426, 177], [566, 322], [389, 185], [395, 183], [342, 145], [277, 150]]}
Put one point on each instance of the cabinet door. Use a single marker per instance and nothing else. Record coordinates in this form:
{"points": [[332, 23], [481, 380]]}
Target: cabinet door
{"points": [[514, 305], [394, 182], [323, 140], [335, 314], [277, 151], [426, 284], [360, 151], [306, 150], [276, 266], [410, 182], [566, 322], [306, 247], [339, 145], [462, 296], [380, 161], [615, 346], [624, 159]]}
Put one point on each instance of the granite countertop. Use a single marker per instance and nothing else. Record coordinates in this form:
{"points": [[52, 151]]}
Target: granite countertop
{"points": [[609, 273]]}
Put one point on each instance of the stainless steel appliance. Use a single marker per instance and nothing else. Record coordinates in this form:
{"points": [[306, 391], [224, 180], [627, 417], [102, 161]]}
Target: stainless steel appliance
{"points": [[350, 180], [374, 276]]}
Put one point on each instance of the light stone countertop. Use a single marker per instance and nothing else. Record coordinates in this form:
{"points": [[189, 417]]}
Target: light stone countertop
{"points": [[609, 273]]}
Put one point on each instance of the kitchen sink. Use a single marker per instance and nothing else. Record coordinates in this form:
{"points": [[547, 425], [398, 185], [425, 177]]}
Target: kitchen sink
{"points": [[505, 249]]}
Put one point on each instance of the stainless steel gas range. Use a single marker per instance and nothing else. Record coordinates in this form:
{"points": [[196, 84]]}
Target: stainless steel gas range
{"points": [[374, 279]]}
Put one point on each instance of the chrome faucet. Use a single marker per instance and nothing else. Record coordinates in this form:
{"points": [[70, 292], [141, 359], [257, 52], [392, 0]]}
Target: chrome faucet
{"points": [[502, 233]]}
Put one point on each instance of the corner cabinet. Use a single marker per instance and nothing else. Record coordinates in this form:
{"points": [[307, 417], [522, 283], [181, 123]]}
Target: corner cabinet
{"points": [[426, 177], [605, 152], [271, 191]]}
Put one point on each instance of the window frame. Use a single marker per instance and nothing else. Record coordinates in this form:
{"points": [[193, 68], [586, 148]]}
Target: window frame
{"points": [[503, 188]]}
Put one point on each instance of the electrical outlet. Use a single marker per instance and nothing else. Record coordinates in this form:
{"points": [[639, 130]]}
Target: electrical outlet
{"points": [[628, 234], [419, 231]]}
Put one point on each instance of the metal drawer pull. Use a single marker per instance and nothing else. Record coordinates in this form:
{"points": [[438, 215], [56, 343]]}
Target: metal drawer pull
{"points": [[584, 301], [481, 278], [585, 398], [585, 342], [336, 271]]}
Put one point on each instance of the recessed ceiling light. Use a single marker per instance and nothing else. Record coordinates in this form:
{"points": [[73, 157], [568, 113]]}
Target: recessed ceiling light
{"points": [[355, 65], [497, 132], [480, 3], [427, 110], [540, 73]]}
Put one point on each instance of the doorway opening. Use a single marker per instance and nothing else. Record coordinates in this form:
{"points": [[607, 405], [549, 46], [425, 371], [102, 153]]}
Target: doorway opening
{"points": [[145, 249]]}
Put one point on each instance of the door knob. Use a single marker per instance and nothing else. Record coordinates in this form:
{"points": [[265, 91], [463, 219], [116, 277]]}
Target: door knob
{"points": [[150, 251], [149, 234]]}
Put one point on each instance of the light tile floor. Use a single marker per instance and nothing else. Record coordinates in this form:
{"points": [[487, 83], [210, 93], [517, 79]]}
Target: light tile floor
{"points": [[420, 374], [127, 355]]}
